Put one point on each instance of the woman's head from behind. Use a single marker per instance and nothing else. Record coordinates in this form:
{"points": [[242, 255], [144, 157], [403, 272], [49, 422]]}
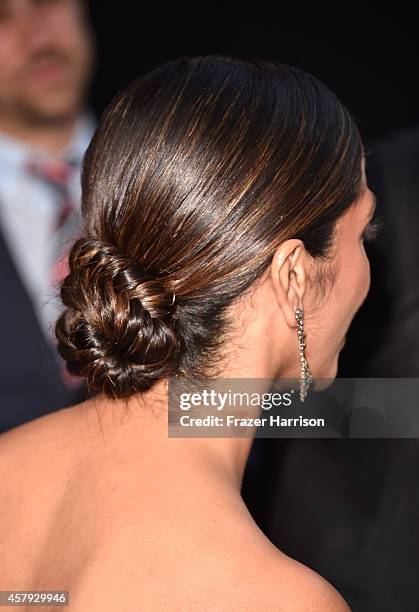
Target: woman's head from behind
{"points": [[218, 195]]}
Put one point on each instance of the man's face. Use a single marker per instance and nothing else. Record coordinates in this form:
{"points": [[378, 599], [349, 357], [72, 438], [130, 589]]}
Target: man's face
{"points": [[46, 57]]}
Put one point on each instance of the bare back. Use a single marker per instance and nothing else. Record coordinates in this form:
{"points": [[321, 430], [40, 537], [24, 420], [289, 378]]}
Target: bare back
{"points": [[78, 519]]}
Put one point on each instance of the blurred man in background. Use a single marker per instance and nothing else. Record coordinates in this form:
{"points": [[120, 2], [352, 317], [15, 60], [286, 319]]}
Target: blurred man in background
{"points": [[47, 54]]}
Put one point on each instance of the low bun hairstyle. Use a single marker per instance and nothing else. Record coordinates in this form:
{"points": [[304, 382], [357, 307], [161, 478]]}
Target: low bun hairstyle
{"points": [[117, 330], [196, 173]]}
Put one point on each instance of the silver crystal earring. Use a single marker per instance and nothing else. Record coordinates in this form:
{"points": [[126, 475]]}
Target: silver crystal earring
{"points": [[306, 377]]}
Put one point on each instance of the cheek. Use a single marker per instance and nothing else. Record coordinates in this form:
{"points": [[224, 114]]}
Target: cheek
{"points": [[353, 283], [365, 275], [10, 58]]}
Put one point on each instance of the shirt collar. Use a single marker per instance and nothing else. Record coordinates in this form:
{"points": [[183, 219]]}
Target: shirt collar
{"points": [[83, 132]]}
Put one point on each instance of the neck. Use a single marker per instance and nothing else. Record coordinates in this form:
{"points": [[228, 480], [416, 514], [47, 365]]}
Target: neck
{"points": [[52, 137], [138, 427]]}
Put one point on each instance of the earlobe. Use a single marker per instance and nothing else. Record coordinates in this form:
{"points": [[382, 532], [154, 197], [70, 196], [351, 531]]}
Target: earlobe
{"points": [[288, 278]]}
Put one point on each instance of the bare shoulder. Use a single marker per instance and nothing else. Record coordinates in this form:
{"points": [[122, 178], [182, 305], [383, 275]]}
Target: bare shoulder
{"points": [[299, 588], [28, 448], [12, 438], [247, 578], [269, 579], [278, 582]]}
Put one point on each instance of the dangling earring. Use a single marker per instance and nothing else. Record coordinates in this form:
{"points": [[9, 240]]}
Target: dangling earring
{"points": [[306, 376]]}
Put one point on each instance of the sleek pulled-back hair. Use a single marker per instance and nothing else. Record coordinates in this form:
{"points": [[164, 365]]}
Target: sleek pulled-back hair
{"points": [[197, 172]]}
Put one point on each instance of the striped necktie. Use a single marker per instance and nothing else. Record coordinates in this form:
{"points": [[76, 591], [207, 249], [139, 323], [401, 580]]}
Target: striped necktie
{"points": [[58, 175]]}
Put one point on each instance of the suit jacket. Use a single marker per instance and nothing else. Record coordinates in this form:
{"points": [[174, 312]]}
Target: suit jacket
{"points": [[29, 376]]}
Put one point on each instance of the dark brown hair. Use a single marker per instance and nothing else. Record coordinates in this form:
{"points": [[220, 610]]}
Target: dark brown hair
{"points": [[197, 172]]}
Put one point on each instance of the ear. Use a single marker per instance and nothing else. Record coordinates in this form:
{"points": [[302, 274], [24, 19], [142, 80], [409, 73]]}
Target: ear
{"points": [[288, 276]]}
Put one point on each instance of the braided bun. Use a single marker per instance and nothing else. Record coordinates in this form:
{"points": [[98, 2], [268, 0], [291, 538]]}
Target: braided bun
{"points": [[116, 330]]}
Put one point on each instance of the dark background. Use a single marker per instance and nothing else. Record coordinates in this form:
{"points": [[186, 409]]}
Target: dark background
{"points": [[369, 61]]}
